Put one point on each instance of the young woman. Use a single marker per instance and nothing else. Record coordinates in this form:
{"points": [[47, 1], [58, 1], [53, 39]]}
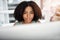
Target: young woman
{"points": [[27, 12]]}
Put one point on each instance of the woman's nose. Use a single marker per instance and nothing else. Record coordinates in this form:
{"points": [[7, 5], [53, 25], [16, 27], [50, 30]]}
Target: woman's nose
{"points": [[28, 15]]}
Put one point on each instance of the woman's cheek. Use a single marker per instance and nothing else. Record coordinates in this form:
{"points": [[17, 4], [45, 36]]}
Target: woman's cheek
{"points": [[32, 16], [24, 16]]}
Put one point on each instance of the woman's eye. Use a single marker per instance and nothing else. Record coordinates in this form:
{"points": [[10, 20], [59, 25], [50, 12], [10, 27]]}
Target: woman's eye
{"points": [[24, 12], [31, 12]]}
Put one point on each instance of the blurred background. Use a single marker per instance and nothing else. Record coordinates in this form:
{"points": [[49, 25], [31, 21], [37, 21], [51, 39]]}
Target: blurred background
{"points": [[7, 8]]}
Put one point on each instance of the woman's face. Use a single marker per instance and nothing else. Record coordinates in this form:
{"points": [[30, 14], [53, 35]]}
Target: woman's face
{"points": [[28, 15]]}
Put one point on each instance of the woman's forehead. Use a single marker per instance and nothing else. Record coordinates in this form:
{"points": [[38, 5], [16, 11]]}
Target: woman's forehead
{"points": [[28, 8]]}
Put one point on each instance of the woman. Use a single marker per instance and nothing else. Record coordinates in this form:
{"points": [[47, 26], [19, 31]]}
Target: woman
{"points": [[27, 12]]}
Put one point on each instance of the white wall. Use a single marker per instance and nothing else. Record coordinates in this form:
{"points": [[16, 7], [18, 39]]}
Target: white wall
{"points": [[3, 17]]}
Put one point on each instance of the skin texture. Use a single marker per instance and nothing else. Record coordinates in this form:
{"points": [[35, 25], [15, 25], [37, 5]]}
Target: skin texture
{"points": [[28, 15]]}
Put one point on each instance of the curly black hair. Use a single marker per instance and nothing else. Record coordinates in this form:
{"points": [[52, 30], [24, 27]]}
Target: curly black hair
{"points": [[19, 11]]}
